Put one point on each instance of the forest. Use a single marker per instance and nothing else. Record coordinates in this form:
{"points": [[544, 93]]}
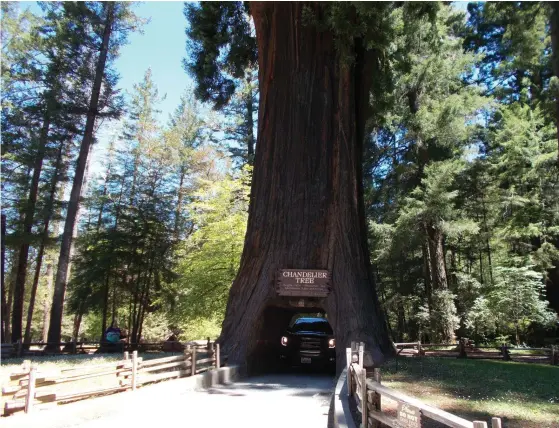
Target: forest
{"points": [[460, 175]]}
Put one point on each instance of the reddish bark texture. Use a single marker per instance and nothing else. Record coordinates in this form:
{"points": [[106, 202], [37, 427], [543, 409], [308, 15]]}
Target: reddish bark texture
{"points": [[306, 207]]}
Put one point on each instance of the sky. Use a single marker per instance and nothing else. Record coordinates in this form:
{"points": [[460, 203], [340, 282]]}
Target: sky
{"points": [[162, 46]]}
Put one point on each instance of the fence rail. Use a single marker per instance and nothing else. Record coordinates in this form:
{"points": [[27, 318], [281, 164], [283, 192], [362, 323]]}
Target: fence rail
{"points": [[19, 349], [470, 350], [368, 392], [30, 387]]}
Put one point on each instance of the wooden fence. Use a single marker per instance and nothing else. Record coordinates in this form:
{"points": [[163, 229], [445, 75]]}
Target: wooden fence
{"points": [[19, 349], [30, 387], [469, 350], [410, 412]]}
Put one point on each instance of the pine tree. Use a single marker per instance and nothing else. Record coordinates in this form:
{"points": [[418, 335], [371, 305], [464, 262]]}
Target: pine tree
{"points": [[417, 140], [210, 256], [103, 28], [239, 121]]}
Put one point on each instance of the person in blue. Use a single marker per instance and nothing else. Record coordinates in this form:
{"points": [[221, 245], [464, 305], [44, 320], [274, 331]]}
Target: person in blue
{"points": [[112, 334]]}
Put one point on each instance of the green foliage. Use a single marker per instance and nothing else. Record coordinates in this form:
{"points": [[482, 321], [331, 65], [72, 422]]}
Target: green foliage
{"points": [[517, 299], [448, 163], [210, 257], [221, 46], [201, 328]]}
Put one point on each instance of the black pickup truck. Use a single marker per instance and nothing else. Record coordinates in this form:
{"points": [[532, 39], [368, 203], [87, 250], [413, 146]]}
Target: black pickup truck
{"points": [[309, 341]]}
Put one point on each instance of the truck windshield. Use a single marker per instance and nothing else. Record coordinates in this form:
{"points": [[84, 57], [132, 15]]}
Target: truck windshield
{"points": [[318, 325]]}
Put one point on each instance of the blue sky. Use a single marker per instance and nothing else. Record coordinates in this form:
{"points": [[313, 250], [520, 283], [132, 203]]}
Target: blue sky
{"points": [[162, 46]]}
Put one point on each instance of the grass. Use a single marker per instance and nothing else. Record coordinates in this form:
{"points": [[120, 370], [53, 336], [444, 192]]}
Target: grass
{"points": [[523, 394]]}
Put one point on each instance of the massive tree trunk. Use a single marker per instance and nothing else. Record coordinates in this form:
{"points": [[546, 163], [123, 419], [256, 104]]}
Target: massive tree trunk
{"points": [[55, 326], [306, 208]]}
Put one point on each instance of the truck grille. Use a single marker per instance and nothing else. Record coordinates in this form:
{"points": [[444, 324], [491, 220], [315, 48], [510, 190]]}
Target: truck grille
{"points": [[310, 346]]}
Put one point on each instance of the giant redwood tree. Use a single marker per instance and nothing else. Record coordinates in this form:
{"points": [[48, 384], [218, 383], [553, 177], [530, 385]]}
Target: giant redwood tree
{"points": [[318, 65]]}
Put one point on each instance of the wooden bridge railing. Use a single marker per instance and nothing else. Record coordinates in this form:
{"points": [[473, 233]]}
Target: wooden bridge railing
{"points": [[368, 393]]}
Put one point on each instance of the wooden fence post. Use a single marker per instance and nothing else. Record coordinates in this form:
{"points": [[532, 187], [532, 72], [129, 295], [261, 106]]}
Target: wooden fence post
{"points": [[364, 417], [211, 351], [30, 389], [462, 347], [134, 370], [554, 355], [495, 422], [126, 355], [419, 351], [217, 357], [74, 351], [361, 353], [480, 424], [193, 360], [505, 352], [349, 356], [376, 398], [19, 348], [186, 353]]}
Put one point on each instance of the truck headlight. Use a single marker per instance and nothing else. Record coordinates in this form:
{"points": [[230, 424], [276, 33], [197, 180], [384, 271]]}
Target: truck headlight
{"points": [[284, 341], [332, 343]]}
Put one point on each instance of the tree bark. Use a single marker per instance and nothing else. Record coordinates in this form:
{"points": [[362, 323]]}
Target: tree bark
{"points": [[427, 274], [105, 304], [46, 305], [554, 31], [440, 280], [436, 253], [44, 238], [4, 307], [178, 210], [55, 327], [19, 290], [487, 246], [10, 299], [77, 324], [306, 208], [249, 121]]}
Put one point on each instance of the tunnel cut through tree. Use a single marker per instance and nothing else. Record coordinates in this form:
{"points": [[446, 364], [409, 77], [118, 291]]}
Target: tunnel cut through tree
{"points": [[306, 209]]}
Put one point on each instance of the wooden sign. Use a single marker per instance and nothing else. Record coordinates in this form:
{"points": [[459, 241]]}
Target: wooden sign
{"points": [[408, 416], [303, 282]]}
